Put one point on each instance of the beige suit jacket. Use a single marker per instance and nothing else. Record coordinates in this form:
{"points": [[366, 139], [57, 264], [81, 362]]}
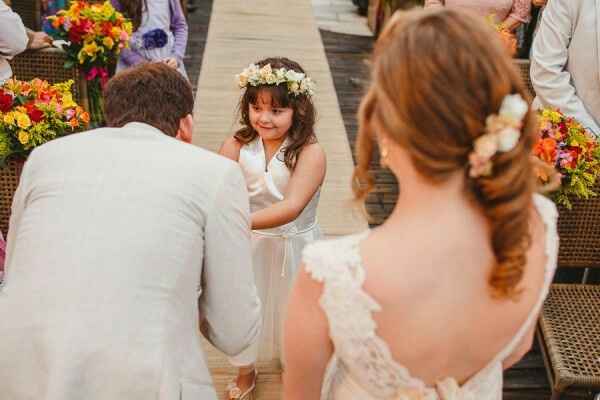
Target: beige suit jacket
{"points": [[119, 240]]}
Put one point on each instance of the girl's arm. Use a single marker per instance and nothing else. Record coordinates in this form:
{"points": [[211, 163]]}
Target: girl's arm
{"points": [[307, 346], [231, 149], [179, 27], [306, 179]]}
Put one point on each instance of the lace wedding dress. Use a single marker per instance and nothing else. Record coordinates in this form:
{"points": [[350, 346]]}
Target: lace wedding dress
{"points": [[362, 366]]}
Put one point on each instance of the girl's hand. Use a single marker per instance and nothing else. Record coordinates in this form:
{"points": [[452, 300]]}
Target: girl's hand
{"points": [[171, 62], [539, 3]]}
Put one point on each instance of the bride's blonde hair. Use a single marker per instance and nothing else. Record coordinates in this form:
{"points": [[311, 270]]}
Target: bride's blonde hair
{"points": [[437, 76]]}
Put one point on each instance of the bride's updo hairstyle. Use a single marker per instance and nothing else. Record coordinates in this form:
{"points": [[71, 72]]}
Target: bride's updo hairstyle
{"points": [[436, 77]]}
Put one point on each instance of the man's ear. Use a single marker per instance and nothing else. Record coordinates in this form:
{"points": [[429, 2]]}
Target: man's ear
{"points": [[186, 126]]}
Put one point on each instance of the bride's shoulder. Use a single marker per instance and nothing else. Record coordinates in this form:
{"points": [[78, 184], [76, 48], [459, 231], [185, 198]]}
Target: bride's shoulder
{"points": [[329, 259]]}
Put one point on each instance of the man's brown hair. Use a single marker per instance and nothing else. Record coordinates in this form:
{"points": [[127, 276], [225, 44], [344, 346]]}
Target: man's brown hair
{"points": [[152, 93]]}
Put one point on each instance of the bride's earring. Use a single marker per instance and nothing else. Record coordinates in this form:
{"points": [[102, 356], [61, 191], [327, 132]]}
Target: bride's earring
{"points": [[383, 154]]}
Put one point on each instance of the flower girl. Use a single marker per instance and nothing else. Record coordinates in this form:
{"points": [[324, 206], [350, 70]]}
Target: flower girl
{"points": [[284, 167]]}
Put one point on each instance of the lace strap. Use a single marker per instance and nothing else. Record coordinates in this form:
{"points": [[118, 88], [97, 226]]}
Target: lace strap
{"points": [[548, 213]]}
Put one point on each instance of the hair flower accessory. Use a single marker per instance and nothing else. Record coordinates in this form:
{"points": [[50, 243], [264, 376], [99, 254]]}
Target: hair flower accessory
{"points": [[502, 133], [297, 82]]}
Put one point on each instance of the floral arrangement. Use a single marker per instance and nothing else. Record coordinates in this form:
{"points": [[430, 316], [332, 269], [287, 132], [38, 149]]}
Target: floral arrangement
{"points": [[502, 133], [93, 35], [33, 113], [566, 145], [297, 82], [507, 37]]}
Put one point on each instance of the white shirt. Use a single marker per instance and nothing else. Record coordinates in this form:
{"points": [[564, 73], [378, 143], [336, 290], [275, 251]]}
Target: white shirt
{"points": [[13, 38], [565, 60]]}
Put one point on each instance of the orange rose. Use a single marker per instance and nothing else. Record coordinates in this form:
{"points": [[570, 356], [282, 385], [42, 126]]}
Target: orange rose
{"points": [[546, 150]]}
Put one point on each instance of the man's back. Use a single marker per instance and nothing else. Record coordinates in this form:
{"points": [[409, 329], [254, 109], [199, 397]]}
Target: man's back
{"points": [[105, 262]]}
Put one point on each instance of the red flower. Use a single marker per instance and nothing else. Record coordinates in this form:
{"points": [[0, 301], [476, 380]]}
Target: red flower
{"points": [[6, 102], [79, 29], [35, 114]]}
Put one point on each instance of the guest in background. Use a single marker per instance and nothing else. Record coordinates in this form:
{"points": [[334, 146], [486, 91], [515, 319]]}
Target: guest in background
{"points": [[565, 61], [160, 33], [15, 39], [51, 7], [510, 13]]}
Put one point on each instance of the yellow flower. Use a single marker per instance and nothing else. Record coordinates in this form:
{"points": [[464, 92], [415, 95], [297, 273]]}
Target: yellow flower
{"points": [[9, 118], [23, 137], [108, 42], [23, 120], [89, 49], [67, 101]]}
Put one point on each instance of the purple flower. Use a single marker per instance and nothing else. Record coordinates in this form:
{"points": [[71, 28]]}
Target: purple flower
{"points": [[154, 39]]}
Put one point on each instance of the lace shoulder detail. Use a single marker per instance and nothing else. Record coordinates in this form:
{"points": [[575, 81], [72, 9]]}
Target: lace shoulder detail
{"points": [[358, 349]]}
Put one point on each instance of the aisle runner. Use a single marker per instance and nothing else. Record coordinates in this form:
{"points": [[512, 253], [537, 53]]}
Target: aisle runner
{"points": [[241, 32], [244, 31]]}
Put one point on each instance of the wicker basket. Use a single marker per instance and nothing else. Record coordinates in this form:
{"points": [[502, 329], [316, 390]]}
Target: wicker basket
{"points": [[48, 64], [524, 70], [30, 12], [9, 180]]}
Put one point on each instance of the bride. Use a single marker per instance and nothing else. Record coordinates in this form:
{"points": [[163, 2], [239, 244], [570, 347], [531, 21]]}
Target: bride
{"points": [[442, 297]]}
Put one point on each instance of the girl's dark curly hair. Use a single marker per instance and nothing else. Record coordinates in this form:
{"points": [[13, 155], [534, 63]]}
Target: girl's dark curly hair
{"points": [[301, 132]]}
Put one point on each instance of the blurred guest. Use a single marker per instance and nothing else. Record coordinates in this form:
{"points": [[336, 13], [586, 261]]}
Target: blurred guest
{"points": [[565, 60]]}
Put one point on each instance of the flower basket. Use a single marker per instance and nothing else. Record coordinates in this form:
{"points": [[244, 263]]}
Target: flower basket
{"points": [[93, 36], [48, 64], [564, 144], [9, 180]]}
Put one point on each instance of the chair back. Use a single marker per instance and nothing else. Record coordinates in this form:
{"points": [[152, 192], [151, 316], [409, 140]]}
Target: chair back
{"points": [[48, 64], [524, 67], [579, 233], [30, 12]]}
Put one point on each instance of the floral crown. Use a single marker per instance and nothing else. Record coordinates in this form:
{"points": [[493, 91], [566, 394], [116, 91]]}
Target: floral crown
{"points": [[297, 82], [502, 133]]}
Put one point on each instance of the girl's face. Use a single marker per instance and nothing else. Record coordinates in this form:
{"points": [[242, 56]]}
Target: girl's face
{"points": [[269, 120]]}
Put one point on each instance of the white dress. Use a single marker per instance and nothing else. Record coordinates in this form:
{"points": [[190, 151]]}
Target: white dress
{"points": [[277, 252], [362, 366]]}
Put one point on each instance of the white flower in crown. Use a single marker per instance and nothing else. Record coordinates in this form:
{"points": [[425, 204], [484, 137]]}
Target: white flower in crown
{"points": [[297, 82], [514, 107]]}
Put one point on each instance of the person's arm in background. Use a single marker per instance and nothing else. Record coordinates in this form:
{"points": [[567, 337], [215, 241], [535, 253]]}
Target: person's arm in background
{"points": [[549, 57], [434, 3], [179, 27], [519, 14], [13, 35], [228, 302]]}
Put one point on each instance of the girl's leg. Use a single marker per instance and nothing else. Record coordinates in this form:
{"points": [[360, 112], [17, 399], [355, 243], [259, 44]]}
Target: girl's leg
{"points": [[242, 387]]}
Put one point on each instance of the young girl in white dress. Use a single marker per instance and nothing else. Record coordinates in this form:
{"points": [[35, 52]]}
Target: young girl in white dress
{"points": [[284, 167]]}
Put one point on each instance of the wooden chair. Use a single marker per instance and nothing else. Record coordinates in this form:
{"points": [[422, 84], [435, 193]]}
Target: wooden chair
{"points": [[524, 67], [44, 64], [30, 12], [48, 64], [569, 325]]}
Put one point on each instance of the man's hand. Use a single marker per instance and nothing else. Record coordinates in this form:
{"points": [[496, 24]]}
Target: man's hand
{"points": [[539, 3], [38, 40], [171, 62]]}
